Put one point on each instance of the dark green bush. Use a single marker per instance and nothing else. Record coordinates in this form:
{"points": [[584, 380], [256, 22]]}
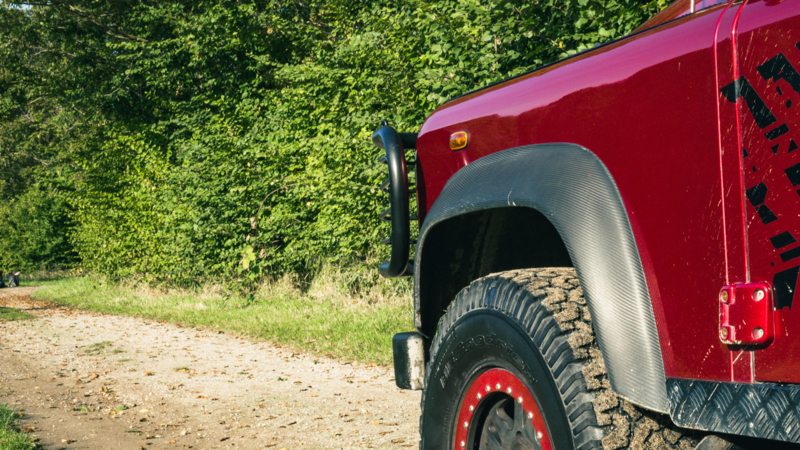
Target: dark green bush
{"points": [[35, 228], [231, 138]]}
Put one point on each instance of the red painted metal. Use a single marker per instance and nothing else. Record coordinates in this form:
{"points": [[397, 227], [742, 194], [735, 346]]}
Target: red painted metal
{"points": [[647, 107], [741, 369], [745, 314], [766, 30], [723, 68], [653, 107], [679, 8], [731, 176], [498, 382]]}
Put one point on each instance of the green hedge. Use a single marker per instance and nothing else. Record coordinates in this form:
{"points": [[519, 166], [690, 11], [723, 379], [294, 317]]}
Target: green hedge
{"points": [[190, 139]]}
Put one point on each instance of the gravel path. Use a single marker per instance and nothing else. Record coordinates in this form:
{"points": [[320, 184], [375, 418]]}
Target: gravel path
{"points": [[93, 381]]}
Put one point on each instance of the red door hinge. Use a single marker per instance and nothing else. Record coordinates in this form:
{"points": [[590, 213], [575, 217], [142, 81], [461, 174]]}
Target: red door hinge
{"points": [[746, 314]]}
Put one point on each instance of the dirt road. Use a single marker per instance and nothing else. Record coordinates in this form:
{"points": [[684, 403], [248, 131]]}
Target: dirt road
{"points": [[93, 381]]}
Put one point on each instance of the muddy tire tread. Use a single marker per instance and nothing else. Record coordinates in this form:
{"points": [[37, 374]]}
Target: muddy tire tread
{"points": [[549, 305]]}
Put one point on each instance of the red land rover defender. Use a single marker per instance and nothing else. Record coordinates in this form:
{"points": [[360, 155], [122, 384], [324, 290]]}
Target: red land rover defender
{"points": [[608, 247]]}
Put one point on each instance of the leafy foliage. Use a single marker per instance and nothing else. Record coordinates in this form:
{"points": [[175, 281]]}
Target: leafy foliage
{"points": [[35, 226], [183, 139]]}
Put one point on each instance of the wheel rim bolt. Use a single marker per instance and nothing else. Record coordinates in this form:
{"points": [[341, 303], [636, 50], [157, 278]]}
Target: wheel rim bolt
{"points": [[519, 400], [471, 408], [466, 424], [508, 390], [530, 415], [497, 386]]}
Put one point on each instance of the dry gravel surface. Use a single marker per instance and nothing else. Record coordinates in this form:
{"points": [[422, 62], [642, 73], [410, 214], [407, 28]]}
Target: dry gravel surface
{"points": [[93, 381]]}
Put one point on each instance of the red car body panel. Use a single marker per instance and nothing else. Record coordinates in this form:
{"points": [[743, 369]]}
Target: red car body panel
{"points": [[768, 57], [649, 106], [730, 175]]}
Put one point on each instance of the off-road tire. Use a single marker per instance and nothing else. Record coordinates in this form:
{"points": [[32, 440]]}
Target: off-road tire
{"points": [[547, 310]]}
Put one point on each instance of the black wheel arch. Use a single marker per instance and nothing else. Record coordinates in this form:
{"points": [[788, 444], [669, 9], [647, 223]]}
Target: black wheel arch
{"points": [[547, 205]]}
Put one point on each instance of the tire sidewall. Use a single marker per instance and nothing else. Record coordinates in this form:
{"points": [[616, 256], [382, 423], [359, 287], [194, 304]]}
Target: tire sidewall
{"points": [[480, 340]]}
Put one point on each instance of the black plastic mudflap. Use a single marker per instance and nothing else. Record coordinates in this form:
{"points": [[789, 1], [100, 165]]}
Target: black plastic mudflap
{"points": [[410, 353]]}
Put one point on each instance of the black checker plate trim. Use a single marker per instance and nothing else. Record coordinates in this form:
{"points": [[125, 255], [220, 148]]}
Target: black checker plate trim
{"points": [[761, 410]]}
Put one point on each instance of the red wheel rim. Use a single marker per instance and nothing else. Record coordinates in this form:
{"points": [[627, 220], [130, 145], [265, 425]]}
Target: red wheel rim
{"points": [[488, 385]]}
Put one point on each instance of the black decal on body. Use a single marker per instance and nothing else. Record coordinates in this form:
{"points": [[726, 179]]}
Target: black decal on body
{"points": [[789, 255], [744, 153], [775, 149], [779, 68], [784, 283], [757, 195], [792, 146], [766, 214], [782, 240], [777, 132], [794, 174], [742, 88]]}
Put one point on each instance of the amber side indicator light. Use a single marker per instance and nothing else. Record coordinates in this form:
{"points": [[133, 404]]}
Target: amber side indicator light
{"points": [[459, 140]]}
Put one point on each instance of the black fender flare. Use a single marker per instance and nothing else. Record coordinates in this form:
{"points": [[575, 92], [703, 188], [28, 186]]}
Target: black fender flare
{"points": [[572, 188]]}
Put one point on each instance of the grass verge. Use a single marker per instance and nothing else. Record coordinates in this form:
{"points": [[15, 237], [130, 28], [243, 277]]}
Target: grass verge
{"points": [[10, 436], [9, 314], [322, 319], [45, 277]]}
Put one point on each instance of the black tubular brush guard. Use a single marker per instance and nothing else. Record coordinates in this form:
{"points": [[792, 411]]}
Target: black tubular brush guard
{"points": [[396, 186]]}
